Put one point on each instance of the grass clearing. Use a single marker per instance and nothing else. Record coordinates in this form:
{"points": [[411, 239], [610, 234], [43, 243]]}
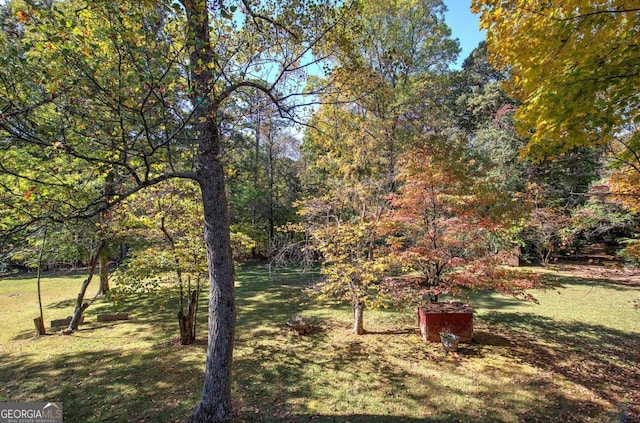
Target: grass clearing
{"points": [[572, 358]]}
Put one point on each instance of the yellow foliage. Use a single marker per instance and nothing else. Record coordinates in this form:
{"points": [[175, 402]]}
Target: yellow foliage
{"points": [[573, 65], [625, 184]]}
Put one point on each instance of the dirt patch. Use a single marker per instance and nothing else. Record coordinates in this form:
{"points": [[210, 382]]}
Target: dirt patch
{"points": [[606, 273]]}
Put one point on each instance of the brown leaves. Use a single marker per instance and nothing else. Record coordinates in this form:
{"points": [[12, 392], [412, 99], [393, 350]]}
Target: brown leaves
{"points": [[23, 17]]}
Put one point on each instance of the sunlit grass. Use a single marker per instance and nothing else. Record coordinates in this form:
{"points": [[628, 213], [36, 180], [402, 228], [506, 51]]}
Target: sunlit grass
{"points": [[572, 357]]}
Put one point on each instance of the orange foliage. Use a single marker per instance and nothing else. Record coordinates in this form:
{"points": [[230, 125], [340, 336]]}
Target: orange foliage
{"points": [[445, 224]]}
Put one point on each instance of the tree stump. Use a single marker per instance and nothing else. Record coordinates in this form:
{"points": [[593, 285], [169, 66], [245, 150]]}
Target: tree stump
{"points": [[39, 324], [298, 325]]}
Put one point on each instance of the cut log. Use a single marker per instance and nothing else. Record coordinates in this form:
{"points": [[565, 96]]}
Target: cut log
{"points": [[64, 322], [112, 317]]}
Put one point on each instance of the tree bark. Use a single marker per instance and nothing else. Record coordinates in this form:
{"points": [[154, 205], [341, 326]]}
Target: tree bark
{"points": [[81, 306], [215, 403], [104, 272], [358, 319], [39, 324], [187, 321]]}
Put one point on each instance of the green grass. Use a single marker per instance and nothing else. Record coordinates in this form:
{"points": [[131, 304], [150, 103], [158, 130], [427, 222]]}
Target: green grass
{"points": [[571, 358]]}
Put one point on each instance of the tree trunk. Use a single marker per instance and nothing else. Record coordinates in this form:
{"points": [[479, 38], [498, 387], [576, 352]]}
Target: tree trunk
{"points": [[39, 321], [187, 321], [104, 273], [358, 323], [81, 306], [215, 403]]}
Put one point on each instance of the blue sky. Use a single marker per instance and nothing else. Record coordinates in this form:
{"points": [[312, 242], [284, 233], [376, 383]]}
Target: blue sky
{"points": [[464, 26]]}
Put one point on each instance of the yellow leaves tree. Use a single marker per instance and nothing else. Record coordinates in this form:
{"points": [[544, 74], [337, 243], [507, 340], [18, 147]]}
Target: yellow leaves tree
{"points": [[351, 265], [624, 178], [574, 67], [625, 183], [344, 228]]}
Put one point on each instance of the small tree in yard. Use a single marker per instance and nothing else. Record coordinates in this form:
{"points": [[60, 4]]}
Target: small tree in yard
{"points": [[447, 227], [169, 258], [171, 262], [350, 246], [544, 232], [351, 266]]}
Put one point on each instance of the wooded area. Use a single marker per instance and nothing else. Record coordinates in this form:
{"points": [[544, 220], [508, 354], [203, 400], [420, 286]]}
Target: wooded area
{"points": [[320, 132]]}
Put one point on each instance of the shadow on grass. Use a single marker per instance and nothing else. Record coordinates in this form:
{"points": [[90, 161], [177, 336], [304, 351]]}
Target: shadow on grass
{"points": [[551, 282], [353, 418], [609, 277], [284, 378], [19, 276], [596, 357], [480, 300], [159, 320], [264, 300], [99, 376], [281, 382], [96, 386], [407, 331], [68, 304], [330, 375]]}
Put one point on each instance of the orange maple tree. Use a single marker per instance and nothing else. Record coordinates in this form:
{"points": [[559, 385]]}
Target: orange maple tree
{"points": [[447, 230]]}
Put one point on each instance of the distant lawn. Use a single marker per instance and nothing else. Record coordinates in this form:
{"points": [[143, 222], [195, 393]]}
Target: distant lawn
{"points": [[571, 358]]}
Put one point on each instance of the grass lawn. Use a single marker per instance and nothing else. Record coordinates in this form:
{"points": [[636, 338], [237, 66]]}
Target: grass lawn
{"points": [[571, 358]]}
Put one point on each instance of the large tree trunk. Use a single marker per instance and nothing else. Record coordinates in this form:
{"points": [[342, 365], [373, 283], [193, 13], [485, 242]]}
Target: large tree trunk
{"points": [[215, 404], [358, 319]]}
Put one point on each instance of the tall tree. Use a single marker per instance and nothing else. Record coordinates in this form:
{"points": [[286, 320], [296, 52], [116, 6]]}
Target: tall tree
{"points": [[263, 180], [483, 112], [391, 84], [139, 91], [486, 115], [390, 92]]}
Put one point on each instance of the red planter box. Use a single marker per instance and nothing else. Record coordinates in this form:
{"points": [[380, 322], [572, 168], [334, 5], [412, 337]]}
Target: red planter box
{"points": [[456, 318]]}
